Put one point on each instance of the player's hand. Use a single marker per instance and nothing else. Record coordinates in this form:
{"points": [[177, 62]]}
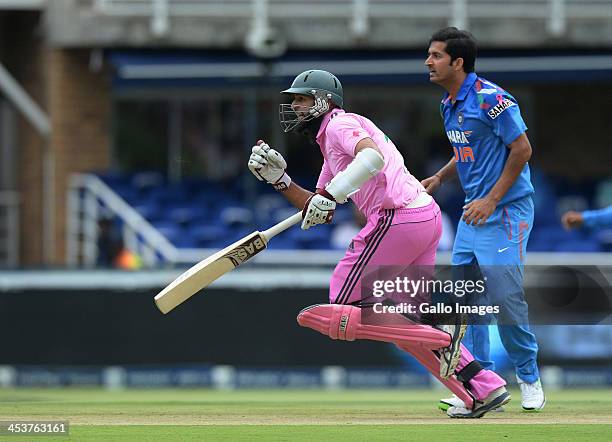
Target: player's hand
{"points": [[478, 211], [572, 220], [432, 183], [319, 209], [266, 163]]}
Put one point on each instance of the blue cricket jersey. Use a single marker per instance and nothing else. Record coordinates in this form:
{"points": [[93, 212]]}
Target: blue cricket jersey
{"points": [[480, 124], [598, 218]]}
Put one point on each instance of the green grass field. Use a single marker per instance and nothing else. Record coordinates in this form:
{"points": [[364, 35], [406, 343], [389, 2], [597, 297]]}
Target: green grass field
{"points": [[185, 415]]}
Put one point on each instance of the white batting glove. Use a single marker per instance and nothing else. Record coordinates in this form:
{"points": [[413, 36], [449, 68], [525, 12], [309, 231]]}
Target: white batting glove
{"points": [[319, 209], [268, 165]]}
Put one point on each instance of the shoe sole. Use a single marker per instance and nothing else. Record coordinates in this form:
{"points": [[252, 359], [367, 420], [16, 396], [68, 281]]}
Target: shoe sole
{"points": [[447, 370], [444, 406], [535, 410], [500, 400]]}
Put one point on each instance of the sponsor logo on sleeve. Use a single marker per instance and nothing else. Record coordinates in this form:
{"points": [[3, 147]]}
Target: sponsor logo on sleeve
{"points": [[496, 110]]}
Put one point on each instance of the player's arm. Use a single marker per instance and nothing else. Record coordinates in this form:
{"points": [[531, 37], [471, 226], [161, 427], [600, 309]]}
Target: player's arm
{"points": [[447, 173], [589, 218], [367, 143], [520, 153], [297, 195], [477, 211], [505, 121], [269, 165], [368, 161], [318, 208]]}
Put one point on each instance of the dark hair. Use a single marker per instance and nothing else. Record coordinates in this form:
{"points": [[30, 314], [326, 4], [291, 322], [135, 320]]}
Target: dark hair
{"points": [[459, 44]]}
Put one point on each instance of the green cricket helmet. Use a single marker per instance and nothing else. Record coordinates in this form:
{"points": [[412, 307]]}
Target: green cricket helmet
{"points": [[323, 86]]}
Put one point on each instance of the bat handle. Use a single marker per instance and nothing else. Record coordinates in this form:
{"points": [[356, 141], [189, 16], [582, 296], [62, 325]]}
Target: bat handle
{"points": [[282, 226]]}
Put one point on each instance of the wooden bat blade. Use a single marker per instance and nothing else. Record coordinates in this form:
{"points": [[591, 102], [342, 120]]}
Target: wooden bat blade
{"points": [[208, 270]]}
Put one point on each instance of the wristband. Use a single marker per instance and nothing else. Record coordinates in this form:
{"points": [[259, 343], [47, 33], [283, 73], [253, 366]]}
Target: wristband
{"points": [[282, 183]]}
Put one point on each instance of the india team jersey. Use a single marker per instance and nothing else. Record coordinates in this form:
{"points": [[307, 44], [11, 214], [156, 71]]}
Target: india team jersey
{"points": [[393, 187], [480, 125]]}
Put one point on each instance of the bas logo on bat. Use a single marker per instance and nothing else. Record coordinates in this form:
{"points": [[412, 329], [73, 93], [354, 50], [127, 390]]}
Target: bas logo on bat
{"points": [[245, 251]]}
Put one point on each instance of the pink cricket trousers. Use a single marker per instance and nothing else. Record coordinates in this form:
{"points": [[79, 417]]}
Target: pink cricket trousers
{"points": [[400, 237]]}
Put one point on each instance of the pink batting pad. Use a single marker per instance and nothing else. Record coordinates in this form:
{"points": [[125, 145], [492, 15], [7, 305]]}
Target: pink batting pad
{"points": [[343, 322], [432, 363]]}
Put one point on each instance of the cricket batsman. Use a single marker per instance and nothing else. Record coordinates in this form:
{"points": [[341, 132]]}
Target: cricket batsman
{"points": [[488, 135], [403, 228]]}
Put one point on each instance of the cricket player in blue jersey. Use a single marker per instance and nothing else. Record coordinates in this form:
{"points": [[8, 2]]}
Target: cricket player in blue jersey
{"points": [[591, 219], [484, 126]]}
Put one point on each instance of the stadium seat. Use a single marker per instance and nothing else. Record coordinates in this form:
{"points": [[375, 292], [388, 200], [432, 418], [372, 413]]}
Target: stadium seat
{"points": [[266, 205], [279, 215], [317, 237], [604, 238], [236, 216], [113, 179], [282, 242], [235, 233], [603, 194], [168, 194], [584, 245], [342, 234], [188, 214], [185, 241], [144, 181], [171, 232], [344, 213], [206, 236], [537, 245], [150, 211]]}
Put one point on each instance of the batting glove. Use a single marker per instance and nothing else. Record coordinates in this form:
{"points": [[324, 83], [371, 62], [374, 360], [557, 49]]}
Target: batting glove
{"points": [[319, 209], [268, 165]]}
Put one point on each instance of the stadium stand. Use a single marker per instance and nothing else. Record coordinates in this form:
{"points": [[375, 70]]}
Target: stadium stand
{"points": [[198, 213]]}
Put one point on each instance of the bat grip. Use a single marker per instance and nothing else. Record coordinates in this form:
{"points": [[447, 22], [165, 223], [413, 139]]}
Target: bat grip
{"points": [[282, 226]]}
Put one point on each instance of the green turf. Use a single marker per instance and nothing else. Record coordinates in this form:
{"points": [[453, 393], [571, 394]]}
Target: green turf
{"points": [[299, 415], [333, 432]]}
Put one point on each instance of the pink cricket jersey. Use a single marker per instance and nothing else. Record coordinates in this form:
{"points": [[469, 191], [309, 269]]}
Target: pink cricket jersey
{"points": [[393, 187]]}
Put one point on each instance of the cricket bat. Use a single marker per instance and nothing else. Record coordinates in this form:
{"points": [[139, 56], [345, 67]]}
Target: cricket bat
{"points": [[212, 268]]}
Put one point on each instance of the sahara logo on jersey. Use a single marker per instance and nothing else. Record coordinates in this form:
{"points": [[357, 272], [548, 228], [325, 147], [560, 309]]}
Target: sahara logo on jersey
{"points": [[456, 136], [496, 110]]}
